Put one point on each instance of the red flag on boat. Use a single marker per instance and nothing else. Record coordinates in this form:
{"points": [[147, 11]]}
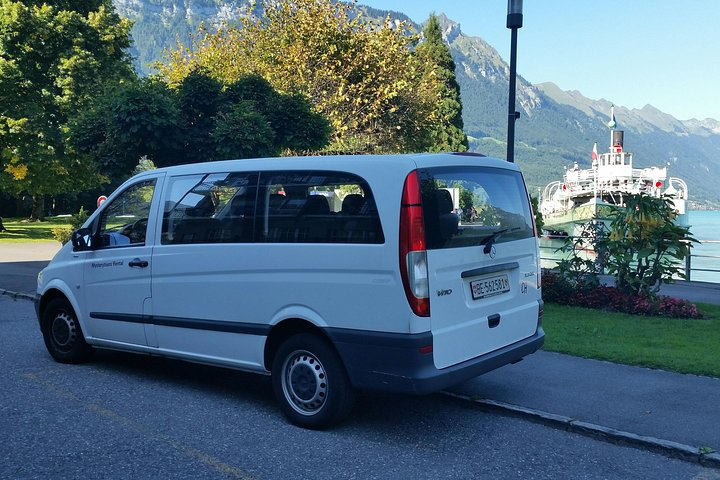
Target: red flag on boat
{"points": [[594, 153]]}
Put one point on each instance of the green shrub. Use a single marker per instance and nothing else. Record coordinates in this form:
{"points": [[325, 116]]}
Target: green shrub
{"points": [[645, 247], [63, 233], [642, 250], [79, 218], [580, 270]]}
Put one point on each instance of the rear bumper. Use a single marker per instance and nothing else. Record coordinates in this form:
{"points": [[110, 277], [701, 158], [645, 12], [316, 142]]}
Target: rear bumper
{"points": [[393, 362]]}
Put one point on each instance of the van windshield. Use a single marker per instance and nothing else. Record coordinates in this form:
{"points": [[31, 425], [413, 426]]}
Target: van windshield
{"points": [[474, 206]]}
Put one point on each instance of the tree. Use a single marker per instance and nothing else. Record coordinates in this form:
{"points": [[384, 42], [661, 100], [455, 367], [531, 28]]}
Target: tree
{"points": [[446, 132], [55, 57], [296, 128], [126, 122], [195, 120], [198, 100], [361, 76], [539, 220]]}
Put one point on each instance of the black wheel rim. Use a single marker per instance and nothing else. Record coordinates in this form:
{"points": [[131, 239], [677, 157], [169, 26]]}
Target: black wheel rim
{"points": [[63, 332]]}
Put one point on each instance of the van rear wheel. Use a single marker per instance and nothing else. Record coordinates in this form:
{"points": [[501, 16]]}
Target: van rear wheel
{"points": [[310, 382], [62, 334]]}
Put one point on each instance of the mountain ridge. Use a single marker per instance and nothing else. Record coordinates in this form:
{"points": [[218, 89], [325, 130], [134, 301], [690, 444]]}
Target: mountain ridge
{"points": [[648, 113]]}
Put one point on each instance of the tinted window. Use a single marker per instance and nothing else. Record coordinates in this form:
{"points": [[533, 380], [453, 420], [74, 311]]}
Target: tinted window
{"points": [[210, 208], [317, 207], [124, 221], [466, 206]]}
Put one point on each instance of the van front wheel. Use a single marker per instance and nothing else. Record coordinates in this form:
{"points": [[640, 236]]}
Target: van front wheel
{"points": [[62, 333], [310, 382]]}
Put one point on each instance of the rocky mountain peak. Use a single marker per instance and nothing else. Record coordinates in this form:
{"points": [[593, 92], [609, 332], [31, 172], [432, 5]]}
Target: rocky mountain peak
{"points": [[450, 29]]}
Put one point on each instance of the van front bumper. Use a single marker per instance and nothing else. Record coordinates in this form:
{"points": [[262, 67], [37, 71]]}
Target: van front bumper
{"points": [[394, 362], [36, 303]]}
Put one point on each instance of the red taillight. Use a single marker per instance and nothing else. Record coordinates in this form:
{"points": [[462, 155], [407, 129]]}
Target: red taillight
{"points": [[413, 258], [658, 184]]}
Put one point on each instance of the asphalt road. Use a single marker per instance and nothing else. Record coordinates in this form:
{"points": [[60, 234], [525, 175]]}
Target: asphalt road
{"points": [[21, 262], [127, 416]]}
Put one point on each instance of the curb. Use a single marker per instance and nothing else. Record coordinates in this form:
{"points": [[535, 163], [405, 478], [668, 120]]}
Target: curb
{"points": [[17, 295], [664, 447]]}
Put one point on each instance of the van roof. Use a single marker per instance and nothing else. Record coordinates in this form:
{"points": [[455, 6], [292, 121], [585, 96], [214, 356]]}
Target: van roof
{"points": [[350, 163]]}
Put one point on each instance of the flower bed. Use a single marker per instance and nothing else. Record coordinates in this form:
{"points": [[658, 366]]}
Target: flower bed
{"points": [[614, 300]]}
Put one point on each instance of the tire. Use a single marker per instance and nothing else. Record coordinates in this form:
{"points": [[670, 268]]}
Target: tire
{"points": [[310, 383], [63, 336]]}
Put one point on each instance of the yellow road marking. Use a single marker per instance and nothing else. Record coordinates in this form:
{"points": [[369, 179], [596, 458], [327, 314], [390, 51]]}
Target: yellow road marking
{"points": [[206, 459]]}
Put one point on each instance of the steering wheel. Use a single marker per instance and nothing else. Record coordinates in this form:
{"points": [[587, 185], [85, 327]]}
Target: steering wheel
{"points": [[137, 230]]}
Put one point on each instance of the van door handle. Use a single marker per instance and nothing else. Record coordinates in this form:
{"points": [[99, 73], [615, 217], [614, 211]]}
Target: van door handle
{"points": [[138, 263]]}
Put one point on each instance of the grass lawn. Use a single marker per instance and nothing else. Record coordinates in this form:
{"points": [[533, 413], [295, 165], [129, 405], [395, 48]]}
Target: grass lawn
{"points": [[680, 345], [22, 230]]}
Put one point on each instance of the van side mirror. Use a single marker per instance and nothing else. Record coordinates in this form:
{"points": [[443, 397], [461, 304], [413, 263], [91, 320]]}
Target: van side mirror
{"points": [[81, 239]]}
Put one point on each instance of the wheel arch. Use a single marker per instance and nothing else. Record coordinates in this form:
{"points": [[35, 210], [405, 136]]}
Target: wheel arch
{"points": [[50, 295], [286, 329]]}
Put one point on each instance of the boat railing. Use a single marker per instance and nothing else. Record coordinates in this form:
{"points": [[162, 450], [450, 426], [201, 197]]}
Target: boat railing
{"points": [[680, 187], [551, 188], [697, 266], [593, 183]]}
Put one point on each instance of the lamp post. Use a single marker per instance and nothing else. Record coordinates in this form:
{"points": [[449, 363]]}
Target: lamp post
{"points": [[514, 21]]}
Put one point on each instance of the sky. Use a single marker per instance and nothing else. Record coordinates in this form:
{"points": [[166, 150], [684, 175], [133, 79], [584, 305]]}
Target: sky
{"points": [[630, 52]]}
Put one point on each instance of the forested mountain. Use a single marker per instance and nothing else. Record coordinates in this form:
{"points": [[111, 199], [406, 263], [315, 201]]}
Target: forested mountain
{"points": [[555, 129]]}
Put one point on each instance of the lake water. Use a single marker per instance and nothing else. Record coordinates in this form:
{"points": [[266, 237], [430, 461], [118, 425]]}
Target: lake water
{"points": [[705, 226], [705, 256]]}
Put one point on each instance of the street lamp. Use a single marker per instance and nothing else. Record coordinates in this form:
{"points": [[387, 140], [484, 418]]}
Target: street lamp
{"points": [[514, 21]]}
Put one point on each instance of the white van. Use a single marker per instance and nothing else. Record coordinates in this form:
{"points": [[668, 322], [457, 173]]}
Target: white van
{"points": [[404, 273]]}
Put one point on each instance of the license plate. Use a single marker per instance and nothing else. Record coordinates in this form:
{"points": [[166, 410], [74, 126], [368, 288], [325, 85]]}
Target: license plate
{"points": [[488, 287]]}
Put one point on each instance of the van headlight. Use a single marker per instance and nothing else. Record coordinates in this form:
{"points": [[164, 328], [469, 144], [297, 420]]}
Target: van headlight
{"points": [[40, 279]]}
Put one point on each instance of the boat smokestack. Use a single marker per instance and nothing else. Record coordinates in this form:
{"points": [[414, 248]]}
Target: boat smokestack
{"points": [[617, 139]]}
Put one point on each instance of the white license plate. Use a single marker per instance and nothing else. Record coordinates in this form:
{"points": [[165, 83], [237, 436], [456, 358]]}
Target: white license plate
{"points": [[488, 287]]}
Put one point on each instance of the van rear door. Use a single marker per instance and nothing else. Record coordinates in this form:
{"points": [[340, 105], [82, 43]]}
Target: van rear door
{"points": [[482, 260]]}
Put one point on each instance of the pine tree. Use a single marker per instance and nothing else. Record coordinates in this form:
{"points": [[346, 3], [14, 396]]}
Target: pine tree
{"points": [[447, 133]]}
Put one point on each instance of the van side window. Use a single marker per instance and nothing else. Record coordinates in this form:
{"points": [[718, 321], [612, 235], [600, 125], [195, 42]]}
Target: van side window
{"points": [[124, 221], [210, 208], [317, 207]]}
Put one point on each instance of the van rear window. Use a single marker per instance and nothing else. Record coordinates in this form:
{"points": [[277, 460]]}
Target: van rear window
{"points": [[468, 206]]}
